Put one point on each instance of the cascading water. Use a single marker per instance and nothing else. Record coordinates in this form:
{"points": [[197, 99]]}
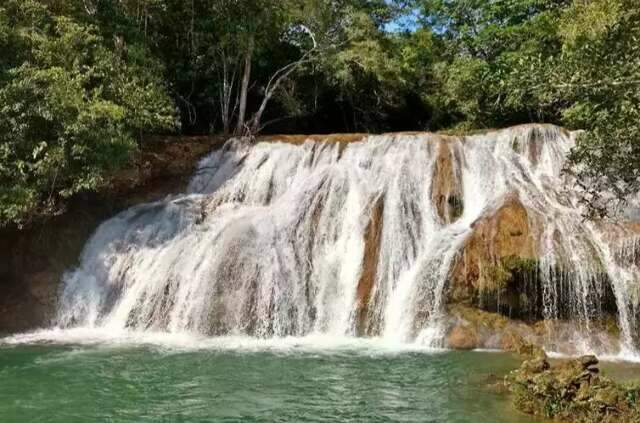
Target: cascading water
{"points": [[345, 239]]}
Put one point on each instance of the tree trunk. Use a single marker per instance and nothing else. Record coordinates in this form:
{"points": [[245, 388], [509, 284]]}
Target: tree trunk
{"points": [[257, 118], [278, 77], [226, 91], [245, 87]]}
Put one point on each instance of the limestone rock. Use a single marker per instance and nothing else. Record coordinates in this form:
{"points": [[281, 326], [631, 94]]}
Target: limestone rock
{"points": [[462, 338], [500, 252], [446, 189]]}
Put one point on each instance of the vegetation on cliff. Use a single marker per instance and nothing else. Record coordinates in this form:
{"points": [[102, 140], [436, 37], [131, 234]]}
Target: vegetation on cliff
{"points": [[82, 80]]}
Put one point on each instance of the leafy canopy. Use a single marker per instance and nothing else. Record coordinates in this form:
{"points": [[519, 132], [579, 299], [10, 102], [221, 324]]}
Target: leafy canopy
{"points": [[70, 107]]}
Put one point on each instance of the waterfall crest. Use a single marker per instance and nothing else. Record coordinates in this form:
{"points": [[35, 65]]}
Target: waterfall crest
{"points": [[350, 239]]}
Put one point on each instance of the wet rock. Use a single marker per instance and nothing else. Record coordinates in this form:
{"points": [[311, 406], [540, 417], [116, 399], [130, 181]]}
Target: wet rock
{"points": [[462, 338], [491, 330], [499, 267], [495, 331], [535, 365], [372, 238], [497, 262], [533, 351], [586, 361], [446, 188]]}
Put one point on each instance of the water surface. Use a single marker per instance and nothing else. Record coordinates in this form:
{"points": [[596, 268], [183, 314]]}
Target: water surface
{"points": [[144, 383]]}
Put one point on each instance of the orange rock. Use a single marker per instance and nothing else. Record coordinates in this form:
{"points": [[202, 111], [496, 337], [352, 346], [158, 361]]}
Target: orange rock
{"points": [[503, 234], [367, 279], [462, 338], [446, 188]]}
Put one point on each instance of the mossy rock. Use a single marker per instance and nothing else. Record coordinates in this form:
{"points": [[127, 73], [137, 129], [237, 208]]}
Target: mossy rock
{"points": [[501, 247], [507, 272], [572, 391], [510, 286], [456, 206]]}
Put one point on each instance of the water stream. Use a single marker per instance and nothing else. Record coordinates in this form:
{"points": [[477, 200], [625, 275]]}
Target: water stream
{"points": [[271, 241]]}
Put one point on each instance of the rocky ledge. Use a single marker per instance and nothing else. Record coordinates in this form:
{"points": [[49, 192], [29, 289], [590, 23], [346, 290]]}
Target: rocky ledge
{"points": [[496, 290]]}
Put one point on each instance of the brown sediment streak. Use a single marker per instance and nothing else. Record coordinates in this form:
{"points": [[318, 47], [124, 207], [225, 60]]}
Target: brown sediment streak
{"points": [[446, 192], [442, 136], [301, 139], [367, 280], [534, 148], [341, 147]]}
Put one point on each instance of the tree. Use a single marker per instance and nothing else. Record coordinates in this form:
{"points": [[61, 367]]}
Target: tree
{"points": [[574, 63], [599, 74], [70, 108], [488, 50]]}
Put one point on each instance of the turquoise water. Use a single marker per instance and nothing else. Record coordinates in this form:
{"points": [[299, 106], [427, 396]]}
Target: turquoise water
{"points": [[124, 383]]}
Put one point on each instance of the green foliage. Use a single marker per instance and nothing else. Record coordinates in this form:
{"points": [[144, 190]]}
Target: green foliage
{"points": [[69, 109], [509, 273], [600, 79], [575, 63], [490, 49], [364, 67], [80, 81]]}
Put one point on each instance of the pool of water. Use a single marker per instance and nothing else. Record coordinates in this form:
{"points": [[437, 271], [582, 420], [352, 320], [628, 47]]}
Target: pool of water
{"points": [[248, 382]]}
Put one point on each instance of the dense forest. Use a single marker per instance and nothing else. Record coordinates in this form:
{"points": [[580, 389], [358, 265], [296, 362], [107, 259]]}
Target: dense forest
{"points": [[83, 81]]}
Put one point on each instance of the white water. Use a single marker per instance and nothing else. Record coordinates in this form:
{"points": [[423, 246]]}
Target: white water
{"points": [[269, 242]]}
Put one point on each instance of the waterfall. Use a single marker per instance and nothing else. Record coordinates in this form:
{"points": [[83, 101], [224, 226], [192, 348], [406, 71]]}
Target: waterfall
{"points": [[348, 239]]}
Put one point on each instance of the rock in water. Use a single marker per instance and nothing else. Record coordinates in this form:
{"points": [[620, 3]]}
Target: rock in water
{"points": [[572, 391]]}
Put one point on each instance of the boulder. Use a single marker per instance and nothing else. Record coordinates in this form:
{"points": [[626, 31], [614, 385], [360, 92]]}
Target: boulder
{"points": [[572, 391]]}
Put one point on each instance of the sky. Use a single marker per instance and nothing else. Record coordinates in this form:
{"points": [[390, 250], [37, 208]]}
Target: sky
{"points": [[407, 22], [404, 23]]}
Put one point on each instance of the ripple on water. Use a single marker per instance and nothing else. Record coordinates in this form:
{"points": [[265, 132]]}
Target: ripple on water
{"points": [[259, 381]]}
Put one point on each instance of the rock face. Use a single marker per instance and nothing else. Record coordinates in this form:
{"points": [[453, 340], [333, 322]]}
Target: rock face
{"points": [[495, 292], [496, 262], [463, 337], [33, 259], [470, 327], [482, 279]]}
